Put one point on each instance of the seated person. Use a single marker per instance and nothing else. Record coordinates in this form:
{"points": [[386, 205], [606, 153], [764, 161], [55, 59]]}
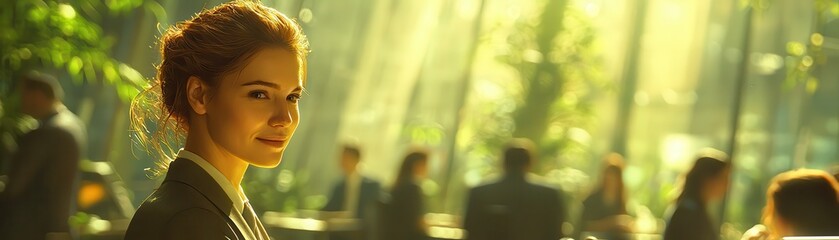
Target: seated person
{"points": [[801, 202]]}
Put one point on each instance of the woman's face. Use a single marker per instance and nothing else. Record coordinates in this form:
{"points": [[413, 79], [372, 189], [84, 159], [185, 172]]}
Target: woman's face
{"points": [[611, 181], [253, 113], [718, 185], [421, 169]]}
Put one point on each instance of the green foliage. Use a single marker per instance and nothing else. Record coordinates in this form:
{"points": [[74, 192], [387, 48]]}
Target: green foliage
{"points": [[62, 36], [38, 34], [805, 58], [554, 57]]}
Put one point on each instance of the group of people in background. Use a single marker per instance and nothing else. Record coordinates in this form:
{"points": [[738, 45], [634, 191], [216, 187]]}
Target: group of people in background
{"points": [[229, 83], [510, 208], [802, 202]]}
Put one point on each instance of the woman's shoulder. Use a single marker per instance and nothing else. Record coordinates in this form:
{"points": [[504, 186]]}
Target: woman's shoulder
{"points": [[172, 197], [176, 207]]}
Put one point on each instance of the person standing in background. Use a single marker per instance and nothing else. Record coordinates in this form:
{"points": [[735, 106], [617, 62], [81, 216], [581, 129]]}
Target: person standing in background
{"points": [[406, 210], [706, 181], [354, 193], [43, 173], [513, 208]]}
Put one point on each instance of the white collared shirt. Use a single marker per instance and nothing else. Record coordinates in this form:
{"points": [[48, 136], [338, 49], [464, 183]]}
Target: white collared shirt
{"points": [[237, 197], [353, 190]]}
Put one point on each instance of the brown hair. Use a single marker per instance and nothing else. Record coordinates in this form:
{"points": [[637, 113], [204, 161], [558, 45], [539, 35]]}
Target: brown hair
{"points": [[613, 163], [353, 150], [709, 165], [406, 170], [806, 199], [213, 44]]}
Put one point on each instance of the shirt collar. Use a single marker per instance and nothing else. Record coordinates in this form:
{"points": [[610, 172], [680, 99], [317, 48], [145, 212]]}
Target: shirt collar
{"points": [[237, 197]]}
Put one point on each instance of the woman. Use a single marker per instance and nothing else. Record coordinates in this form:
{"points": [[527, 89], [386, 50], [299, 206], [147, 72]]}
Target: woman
{"points": [[604, 211], [229, 82], [707, 181], [405, 211], [802, 202]]}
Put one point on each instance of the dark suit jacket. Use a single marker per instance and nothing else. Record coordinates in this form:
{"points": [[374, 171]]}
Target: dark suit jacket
{"points": [[514, 209], [367, 196], [189, 204], [404, 212], [690, 221], [43, 179]]}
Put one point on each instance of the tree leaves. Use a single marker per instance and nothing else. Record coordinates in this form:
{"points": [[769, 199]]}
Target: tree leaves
{"points": [[52, 34]]}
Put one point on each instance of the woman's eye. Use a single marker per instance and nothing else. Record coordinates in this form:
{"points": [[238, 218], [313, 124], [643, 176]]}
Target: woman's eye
{"points": [[293, 98], [258, 95]]}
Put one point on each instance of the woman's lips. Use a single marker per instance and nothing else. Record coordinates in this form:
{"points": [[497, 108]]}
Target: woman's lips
{"points": [[273, 142]]}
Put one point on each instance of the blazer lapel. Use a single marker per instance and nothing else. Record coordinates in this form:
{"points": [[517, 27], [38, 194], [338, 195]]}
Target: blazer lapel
{"points": [[189, 173]]}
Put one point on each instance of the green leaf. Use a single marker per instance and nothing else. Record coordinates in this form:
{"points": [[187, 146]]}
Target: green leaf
{"points": [[66, 11], [57, 58], [89, 72], [131, 75], [38, 14], [25, 53], [110, 72], [74, 66], [126, 92]]}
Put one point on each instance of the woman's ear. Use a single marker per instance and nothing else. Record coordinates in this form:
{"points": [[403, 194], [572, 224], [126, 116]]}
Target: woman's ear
{"points": [[196, 93]]}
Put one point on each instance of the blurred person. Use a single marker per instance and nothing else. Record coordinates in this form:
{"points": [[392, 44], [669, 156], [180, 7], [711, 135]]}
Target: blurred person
{"points": [[604, 211], [406, 210], [43, 175], [229, 81], [802, 202], [706, 181], [514, 208], [354, 193]]}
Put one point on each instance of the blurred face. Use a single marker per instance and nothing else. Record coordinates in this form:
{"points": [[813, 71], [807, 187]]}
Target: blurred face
{"points": [[719, 185], [253, 114], [421, 169], [33, 103], [348, 163], [611, 182]]}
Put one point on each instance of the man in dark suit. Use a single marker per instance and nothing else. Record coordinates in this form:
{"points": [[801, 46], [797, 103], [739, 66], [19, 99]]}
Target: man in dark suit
{"points": [[43, 173], [354, 194], [513, 208]]}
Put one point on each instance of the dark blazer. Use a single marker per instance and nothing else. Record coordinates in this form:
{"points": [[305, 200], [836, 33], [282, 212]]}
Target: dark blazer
{"points": [[404, 212], [368, 195], [690, 221], [189, 204], [514, 209], [594, 208], [43, 179]]}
